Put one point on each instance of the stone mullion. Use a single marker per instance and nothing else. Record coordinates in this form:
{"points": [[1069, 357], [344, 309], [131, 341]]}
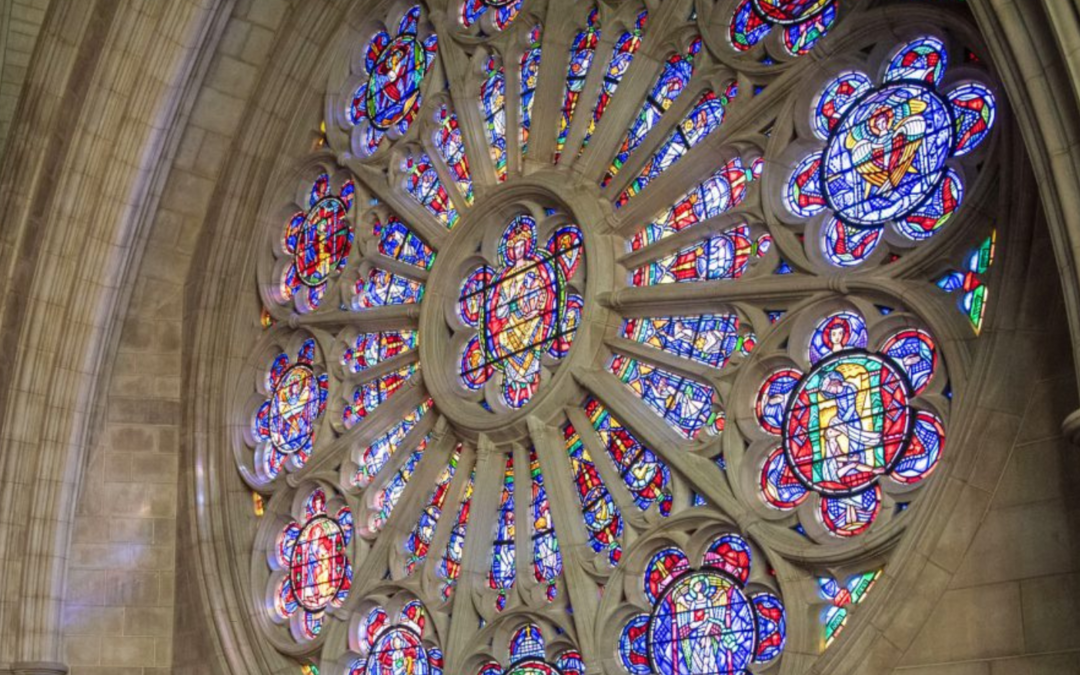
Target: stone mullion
{"points": [[569, 528], [448, 517], [346, 448], [668, 361], [559, 27], [683, 457], [474, 559], [390, 537], [391, 317], [708, 296], [659, 134], [514, 47], [441, 168], [435, 458], [590, 91], [684, 238], [398, 267], [656, 47], [523, 526], [607, 469], [385, 186], [743, 121]]}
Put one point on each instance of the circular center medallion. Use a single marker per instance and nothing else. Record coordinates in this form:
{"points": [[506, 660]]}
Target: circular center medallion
{"points": [[398, 650], [533, 667], [522, 309], [789, 11], [847, 423], [702, 624], [293, 408], [323, 242], [318, 563], [888, 154], [394, 86]]}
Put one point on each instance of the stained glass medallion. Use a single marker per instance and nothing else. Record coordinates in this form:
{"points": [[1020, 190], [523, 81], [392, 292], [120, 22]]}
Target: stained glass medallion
{"points": [[523, 310], [391, 75]]}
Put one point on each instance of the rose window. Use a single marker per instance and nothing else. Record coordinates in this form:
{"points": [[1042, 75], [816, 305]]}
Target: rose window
{"points": [[612, 358]]}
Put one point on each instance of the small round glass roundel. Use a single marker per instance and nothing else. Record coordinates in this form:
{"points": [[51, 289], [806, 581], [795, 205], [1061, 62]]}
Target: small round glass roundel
{"points": [[704, 623], [318, 566], [848, 422], [888, 154]]}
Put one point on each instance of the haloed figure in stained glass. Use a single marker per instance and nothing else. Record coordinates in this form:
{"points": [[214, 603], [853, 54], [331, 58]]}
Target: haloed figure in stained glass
{"points": [[523, 309]]}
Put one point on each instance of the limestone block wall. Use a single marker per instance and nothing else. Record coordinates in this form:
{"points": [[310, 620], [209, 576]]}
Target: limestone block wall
{"points": [[118, 613], [20, 25]]}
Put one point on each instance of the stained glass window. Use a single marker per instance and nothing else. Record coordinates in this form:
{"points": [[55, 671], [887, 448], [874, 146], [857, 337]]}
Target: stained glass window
{"points": [[603, 520], [722, 191], [388, 497], [668, 86], [793, 387], [530, 76], [890, 149], [703, 119], [626, 47], [423, 183], [547, 560], [398, 242], [841, 599], [969, 282], [451, 147], [685, 404], [450, 565], [646, 476], [381, 288], [312, 570], [395, 68], [285, 423], [370, 349], [711, 339], [523, 310], [582, 51], [493, 105], [419, 540], [371, 394], [498, 14], [722, 256], [375, 456], [705, 619], [502, 574]]}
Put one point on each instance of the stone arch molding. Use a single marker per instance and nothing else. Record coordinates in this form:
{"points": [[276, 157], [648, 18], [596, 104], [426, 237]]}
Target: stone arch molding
{"points": [[222, 328]]}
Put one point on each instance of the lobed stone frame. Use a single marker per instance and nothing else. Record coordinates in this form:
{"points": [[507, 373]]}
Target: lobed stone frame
{"points": [[1036, 74]]}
